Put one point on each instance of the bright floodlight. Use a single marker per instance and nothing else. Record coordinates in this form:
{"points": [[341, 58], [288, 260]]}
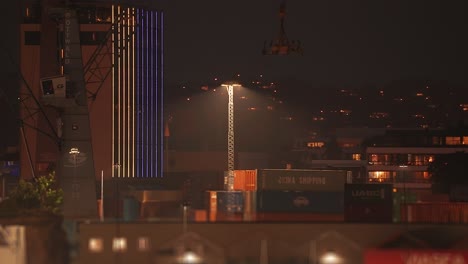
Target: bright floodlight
{"points": [[190, 257], [230, 84], [330, 257]]}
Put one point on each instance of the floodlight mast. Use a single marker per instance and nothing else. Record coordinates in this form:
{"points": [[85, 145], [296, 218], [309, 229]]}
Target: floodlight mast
{"points": [[230, 137]]}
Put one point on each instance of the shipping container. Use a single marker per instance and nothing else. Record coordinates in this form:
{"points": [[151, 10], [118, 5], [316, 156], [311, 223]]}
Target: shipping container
{"points": [[245, 180], [301, 180], [437, 212], [293, 217], [368, 194], [225, 201], [299, 201], [369, 213]]}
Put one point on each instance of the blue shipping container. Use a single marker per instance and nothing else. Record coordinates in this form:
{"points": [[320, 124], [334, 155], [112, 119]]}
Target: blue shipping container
{"points": [[300, 201], [229, 201]]}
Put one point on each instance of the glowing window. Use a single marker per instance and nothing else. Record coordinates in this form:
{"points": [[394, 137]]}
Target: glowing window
{"points": [[453, 140], [119, 244], [315, 144], [379, 176], [143, 243], [95, 245], [465, 140], [356, 156]]}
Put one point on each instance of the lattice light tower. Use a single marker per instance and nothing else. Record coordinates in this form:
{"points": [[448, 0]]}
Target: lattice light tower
{"points": [[229, 178]]}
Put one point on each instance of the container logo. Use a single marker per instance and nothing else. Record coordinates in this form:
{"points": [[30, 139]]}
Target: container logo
{"points": [[368, 194], [301, 180], [301, 201]]}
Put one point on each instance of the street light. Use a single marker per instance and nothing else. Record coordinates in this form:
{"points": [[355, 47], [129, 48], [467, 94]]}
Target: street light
{"points": [[229, 180]]}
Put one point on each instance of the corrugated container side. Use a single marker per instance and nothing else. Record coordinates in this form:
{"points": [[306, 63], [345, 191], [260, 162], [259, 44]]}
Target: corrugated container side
{"points": [[239, 180], [435, 213], [301, 180], [295, 217], [300, 201], [251, 180], [245, 180]]}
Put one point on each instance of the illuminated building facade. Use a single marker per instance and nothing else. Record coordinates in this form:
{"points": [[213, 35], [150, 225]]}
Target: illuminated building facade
{"points": [[122, 50]]}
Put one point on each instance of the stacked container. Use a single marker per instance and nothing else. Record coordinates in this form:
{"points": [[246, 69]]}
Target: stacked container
{"points": [[293, 195], [225, 205], [368, 203]]}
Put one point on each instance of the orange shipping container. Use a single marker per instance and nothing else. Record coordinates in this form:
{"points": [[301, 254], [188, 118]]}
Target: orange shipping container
{"points": [[245, 180]]}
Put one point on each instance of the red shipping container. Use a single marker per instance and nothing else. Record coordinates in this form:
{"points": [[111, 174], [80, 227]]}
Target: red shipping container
{"points": [[293, 217], [435, 212]]}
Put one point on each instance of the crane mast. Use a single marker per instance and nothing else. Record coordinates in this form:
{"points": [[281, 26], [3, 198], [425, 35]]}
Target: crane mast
{"points": [[75, 170]]}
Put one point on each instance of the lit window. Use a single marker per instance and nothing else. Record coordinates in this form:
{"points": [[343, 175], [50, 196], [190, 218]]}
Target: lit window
{"points": [[465, 140], [430, 158], [143, 243], [95, 245], [379, 176], [356, 156], [119, 244], [315, 144], [453, 140]]}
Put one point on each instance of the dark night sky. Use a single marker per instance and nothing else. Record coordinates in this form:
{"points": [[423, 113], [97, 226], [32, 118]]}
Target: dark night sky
{"points": [[345, 42]]}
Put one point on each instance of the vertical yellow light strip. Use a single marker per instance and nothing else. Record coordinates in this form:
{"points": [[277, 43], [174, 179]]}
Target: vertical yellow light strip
{"points": [[119, 89], [128, 90], [133, 91], [113, 93], [124, 94], [129, 94]]}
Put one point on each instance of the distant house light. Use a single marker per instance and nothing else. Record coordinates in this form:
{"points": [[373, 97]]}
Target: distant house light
{"points": [[453, 140], [315, 144], [119, 244], [356, 156], [95, 245], [143, 244]]}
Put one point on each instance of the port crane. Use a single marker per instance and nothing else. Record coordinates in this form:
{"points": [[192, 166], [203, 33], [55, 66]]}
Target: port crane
{"points": [[281, 45], [67, 90]]}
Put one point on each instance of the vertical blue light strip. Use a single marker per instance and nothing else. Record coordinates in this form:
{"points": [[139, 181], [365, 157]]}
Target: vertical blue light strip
{"points": [[148, 114], [161, 88], [148, 94], [151, 94], [138, 93]]}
